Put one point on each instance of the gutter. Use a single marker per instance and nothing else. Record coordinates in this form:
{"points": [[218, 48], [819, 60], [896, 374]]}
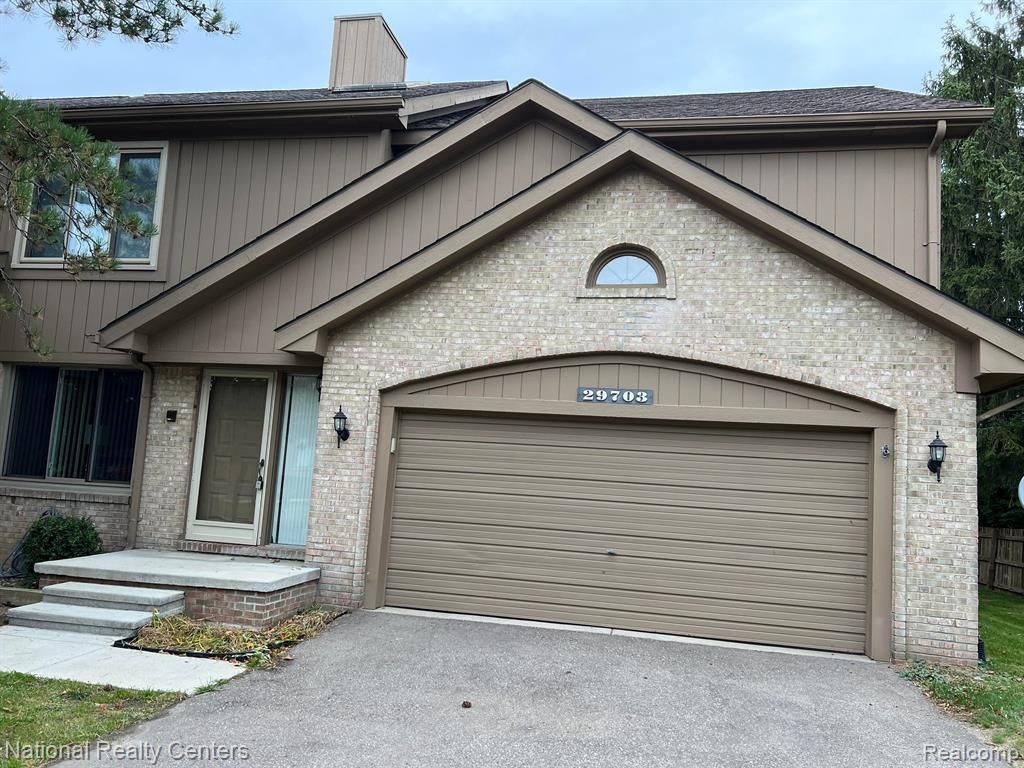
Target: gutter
{"points": [[139, 456], [934, 203], [971, 115], [332, 107]]}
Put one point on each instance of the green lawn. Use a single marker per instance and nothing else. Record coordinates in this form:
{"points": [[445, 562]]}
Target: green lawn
{"points": [[993, 695], [1002, 627], [60, 712]]}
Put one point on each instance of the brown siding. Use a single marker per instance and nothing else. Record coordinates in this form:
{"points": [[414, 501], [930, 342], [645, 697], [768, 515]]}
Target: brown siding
{"points": [[423, 215], [874, 198], [364, 52], [228, 192], [676, 384], [219, 195]]}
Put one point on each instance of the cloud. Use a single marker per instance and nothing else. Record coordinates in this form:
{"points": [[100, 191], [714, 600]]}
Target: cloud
{"points": [[589, 48]]}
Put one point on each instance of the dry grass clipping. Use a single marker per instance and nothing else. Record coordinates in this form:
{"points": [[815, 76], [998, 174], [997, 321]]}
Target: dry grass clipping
{"points": [[180, 633]]}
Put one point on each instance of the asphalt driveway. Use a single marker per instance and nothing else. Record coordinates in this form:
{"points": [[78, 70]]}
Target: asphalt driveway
{"points": [[387, 690]]}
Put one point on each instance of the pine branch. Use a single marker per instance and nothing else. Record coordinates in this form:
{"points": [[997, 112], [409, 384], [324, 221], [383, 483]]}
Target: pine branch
{"points": [[148, 21]]}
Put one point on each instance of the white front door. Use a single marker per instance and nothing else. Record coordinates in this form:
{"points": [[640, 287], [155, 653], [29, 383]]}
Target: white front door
{"points": [[229, 468]]}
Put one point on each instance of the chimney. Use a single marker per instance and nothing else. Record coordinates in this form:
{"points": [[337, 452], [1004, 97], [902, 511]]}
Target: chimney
{"points": [[365, 52]]}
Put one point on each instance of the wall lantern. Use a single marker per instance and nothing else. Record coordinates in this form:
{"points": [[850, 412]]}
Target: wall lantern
{"points": [[340, 422], [937, 450]]}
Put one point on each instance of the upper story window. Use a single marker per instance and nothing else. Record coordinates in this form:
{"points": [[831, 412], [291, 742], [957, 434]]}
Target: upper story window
{"points": [[626, 267], [144, 167], [73, 423]]}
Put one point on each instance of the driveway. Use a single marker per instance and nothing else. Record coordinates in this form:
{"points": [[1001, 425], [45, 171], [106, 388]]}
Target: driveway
{"points": [[386, 690]]}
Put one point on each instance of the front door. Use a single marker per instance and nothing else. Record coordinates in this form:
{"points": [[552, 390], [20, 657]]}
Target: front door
{"points": [[229, 467]]}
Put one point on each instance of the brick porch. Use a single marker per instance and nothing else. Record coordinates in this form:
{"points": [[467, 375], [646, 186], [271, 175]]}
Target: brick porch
{"points": [[235, 591]]}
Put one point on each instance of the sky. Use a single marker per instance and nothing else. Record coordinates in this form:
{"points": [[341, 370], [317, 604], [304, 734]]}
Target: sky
{"points": [[582, 49]]}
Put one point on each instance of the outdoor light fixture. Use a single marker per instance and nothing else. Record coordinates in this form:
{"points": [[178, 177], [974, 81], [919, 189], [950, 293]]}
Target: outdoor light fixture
{"points": [[937, 449], [340, 420]]}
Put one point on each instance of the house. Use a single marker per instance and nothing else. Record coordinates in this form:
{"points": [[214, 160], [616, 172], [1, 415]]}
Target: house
{"points": [[670, 364]]}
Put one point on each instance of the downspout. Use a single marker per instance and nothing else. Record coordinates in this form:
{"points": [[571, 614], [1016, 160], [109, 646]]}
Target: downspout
{"points": [[139, 457], [934, 203]]}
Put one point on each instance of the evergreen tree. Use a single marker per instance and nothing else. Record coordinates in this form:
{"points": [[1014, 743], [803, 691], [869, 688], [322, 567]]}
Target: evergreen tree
{"points": [[44, 160], [983, 221]]}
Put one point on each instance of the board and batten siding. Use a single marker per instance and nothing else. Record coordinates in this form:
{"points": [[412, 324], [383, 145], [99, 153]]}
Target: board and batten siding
{"points": [[365, 52], [873, 198], [244, 321], [681, 383], [219, 195]]}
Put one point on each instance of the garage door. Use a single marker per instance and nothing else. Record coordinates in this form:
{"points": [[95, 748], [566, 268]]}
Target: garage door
{"points": [[738, 534]]}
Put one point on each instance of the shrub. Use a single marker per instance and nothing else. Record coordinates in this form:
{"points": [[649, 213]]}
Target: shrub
{"points": [[55, 538]]}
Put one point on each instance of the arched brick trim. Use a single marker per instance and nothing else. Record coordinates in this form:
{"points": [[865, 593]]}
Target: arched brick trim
{"points": [[615, 239]]}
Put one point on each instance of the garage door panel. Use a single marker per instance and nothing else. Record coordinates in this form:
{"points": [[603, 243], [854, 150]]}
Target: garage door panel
{"points": [[737, 510], [584, 455], [705, 440], [609, 464], [743, 534], [569, 568], [636, 620], [785, 529], [617, 480], [688, 491], [683, 606], [664, 548]]}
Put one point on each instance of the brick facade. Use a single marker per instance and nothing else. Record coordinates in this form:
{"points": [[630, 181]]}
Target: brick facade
{"points": [[21, 505], [740, 301], [230, 607], [735, 300], [168, 465]]}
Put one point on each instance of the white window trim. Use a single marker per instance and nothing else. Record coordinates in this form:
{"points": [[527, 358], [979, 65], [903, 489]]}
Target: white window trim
{"points": [[19, 260]]}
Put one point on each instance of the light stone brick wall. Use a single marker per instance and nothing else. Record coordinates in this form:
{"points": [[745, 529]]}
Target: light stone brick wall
{"points": [[740, 301], [21, 505], [168, 466]]}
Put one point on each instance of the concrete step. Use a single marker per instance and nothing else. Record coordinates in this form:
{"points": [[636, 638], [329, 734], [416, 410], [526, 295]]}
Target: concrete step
{"points": [[167, 602], [79, 618]]}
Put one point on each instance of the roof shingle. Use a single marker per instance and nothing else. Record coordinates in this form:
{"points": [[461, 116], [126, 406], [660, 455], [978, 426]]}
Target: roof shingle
{"points": [[807, 101], [256, 97]]}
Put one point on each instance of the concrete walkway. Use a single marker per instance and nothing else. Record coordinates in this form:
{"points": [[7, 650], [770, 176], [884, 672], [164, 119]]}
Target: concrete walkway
{"points": [[93, 659], [380, 689]]}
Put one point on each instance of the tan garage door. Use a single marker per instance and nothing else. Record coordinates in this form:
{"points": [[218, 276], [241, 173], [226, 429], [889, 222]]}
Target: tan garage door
{"points": [[738, 534]]}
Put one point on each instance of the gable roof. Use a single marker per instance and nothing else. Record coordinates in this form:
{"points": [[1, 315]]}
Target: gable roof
{"points": [[989, 354], [531, 99], [805, 103]]}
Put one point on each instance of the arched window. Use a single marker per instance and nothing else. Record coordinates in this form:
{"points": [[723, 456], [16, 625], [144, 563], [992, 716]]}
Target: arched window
{"points": [[626, 267]]}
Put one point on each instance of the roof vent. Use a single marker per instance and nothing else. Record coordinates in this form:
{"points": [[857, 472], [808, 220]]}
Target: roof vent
{"points": [[365, 52]]}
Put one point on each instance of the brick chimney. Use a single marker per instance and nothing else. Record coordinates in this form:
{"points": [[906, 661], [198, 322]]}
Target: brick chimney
{"points": [[365, 52]]}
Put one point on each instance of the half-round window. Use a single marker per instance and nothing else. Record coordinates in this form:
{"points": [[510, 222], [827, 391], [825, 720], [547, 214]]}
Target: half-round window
{"points": [[623, 267]]}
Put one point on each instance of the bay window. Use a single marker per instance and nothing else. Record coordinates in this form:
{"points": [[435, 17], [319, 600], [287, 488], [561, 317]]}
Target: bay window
{"points": [[143, 166], [73, 423]]}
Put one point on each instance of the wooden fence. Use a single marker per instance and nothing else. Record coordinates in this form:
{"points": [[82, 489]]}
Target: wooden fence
{"points": [[1006, 570]]}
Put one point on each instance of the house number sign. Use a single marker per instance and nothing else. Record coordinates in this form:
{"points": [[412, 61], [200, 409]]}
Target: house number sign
{"points": [[615, 396]]}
